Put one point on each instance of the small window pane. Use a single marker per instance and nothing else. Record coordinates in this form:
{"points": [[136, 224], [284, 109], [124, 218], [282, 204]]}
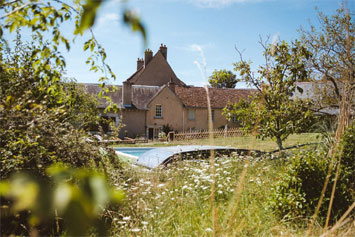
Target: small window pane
{"points": [[158, 111], [191, 114]]}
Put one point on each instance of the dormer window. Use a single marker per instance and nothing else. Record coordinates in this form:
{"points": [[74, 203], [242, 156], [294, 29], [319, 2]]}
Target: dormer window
{"points": [[158, 111]]}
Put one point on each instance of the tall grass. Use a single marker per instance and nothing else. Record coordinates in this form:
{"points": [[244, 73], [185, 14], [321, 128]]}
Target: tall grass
{"points": [[176, 200]]}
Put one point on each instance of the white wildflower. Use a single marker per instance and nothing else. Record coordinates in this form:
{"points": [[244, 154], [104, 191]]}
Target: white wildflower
{"points": [[136, 230]]}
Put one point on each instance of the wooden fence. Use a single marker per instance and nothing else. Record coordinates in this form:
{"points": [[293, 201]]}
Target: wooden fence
{"points": [[203, 134]]}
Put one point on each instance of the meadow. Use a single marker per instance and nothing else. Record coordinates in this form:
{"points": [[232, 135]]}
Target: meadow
{"points": [[222, 196]]}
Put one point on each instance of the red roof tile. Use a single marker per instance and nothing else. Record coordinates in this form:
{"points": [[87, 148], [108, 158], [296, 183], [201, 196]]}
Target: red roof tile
{"points": [[196, 96]]}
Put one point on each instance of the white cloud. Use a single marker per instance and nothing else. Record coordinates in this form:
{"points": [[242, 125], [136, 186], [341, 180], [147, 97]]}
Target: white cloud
{"points": [[109, 19], [218, 3]]}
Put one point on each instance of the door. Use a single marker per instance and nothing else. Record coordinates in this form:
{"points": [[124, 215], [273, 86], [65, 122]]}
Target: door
{"points": [[150, 133]]}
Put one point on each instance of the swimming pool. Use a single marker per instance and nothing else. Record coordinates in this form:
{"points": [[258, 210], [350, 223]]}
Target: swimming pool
{"points": [[152, 157], [135, 152]]}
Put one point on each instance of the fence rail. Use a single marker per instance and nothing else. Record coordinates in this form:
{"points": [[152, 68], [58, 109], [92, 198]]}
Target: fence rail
{"points": [[203, 134]]}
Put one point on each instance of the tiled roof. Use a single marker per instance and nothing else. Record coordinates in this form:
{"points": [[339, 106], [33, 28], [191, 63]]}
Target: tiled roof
{"points": [[196, 96], [141, 95]]}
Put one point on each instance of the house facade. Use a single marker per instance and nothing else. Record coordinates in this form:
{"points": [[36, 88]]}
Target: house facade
{"points": [[154, 97]]}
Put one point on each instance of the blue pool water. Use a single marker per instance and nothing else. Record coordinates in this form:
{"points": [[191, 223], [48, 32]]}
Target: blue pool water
{"points": [[134, 151]]}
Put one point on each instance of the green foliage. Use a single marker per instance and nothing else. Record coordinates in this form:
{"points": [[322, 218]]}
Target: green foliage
{"points": [[166, 128], [299, 188], [272, 112], [88, 15], [42, 118], [43, 18], [77, 195], [332, 46], [131, 19], [81, 107], [348, 157], [40, 114], [222, 79]]}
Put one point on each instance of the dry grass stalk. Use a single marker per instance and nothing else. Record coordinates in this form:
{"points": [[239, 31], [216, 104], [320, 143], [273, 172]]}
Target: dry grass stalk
{"points": [[340, 222], [212, 165]]}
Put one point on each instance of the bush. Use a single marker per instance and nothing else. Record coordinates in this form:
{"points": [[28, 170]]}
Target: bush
{"points": [[297, 193], [42, 122]]}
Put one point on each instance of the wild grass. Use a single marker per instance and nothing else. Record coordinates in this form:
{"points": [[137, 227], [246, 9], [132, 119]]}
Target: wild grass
{"points": [[175, 201]]}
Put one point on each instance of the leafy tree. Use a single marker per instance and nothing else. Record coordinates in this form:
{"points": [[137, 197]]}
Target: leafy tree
{"points": [[38, 113], [41, 115], [273, 112], [333, 61], [45, 18], [222, 79]]}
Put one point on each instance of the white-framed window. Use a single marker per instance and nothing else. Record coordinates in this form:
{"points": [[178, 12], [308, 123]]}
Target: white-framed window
{"points": [[191, 114], [158, 111]]}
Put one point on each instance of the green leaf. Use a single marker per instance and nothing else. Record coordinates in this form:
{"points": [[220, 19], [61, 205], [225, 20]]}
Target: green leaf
{"points": [[4, 188], [131, 19], [88, 16]]}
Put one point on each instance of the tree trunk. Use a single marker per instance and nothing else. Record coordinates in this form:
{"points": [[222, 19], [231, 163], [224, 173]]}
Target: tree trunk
{"points": [[279, 143]]}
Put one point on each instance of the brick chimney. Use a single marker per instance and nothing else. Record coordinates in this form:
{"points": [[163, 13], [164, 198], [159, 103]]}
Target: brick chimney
{"points": [[140, 63], [127, 94], [171, 85], [148, 55], [164, 50]]}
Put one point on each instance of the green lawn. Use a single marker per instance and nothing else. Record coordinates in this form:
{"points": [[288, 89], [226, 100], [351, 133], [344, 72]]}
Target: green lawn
{"points": [[247, 142]]}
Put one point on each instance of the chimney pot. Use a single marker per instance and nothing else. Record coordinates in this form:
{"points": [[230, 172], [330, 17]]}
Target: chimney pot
{"points": [[148, 55], [164, 50], [140, 63]]}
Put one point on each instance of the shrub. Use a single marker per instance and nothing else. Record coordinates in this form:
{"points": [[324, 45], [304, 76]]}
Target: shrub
{"points": [[42, 122], [299, 188]]}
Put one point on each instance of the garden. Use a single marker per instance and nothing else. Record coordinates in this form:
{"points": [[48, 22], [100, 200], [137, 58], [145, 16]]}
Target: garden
{"points": [[56, 179]]}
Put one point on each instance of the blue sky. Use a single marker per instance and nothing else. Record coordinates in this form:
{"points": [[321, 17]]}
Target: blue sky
{"points": [[198, 33]]}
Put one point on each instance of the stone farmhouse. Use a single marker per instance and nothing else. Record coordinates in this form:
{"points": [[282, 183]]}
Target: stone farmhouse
{"points": [[154, 97]]}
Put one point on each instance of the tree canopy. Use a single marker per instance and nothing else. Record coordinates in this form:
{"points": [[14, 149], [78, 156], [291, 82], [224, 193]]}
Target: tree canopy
{"points": [[333, 59], [273, 112], [223, 79]]}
